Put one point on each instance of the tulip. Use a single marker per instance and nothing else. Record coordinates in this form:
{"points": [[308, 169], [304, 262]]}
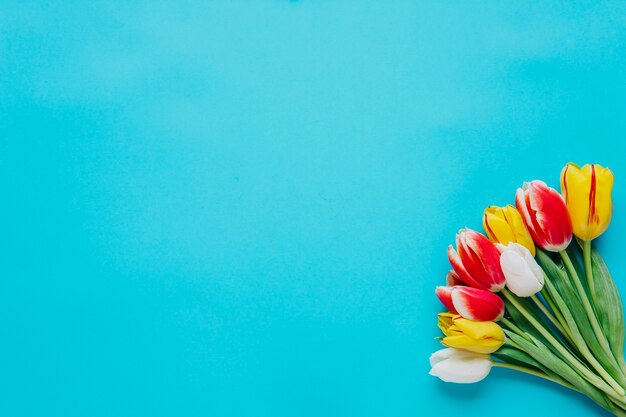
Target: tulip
{"points": [[505, 225], [470, 335], [545, 215], [587, 193], [524, 277], [471, 303], [461, 367], [453, 279], [476, 261]]}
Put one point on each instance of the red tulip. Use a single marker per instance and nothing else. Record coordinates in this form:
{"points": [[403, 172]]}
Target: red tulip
{"points": [[545, 214], [471, 303], [476, 261]]}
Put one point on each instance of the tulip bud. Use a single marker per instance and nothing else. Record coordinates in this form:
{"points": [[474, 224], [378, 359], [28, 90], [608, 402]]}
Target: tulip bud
{"points": [[545, 215], [470, 335], [471, 303], [524, 277], [587, 193], [461, 367], [505, 224], [476, 261]]}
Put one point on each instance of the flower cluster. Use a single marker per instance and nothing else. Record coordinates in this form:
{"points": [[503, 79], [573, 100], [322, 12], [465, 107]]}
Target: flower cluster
{"points": [[533, 295]]}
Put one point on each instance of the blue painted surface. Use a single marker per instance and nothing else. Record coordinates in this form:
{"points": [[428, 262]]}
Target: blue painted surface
{"points": [[242, 208]]}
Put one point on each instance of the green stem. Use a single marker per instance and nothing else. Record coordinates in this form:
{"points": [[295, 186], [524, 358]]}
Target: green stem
{"points": [[550, 317], [534, 372], [619, 411], [588, 308], [580, 367], [588, 269], [508, 323], [546, 296]]}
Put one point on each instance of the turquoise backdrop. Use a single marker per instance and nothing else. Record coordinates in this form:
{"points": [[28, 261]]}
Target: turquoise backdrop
{"points": [[242, 208]]}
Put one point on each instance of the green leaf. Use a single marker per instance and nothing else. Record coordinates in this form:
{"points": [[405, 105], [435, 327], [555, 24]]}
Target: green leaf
{"points": [[575, 254], [519, 357], [544, 356], [516, 357], [573, 311], [608, 306]]}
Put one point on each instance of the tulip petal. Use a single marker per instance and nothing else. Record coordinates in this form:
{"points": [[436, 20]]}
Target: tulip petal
{"points": [[453, 279], [459, 268], [444, 321], [521, 202], [453, 365], [445, 296], [497, 228], [470, 335], [477, 304], [505, 225], [483, 260], [440, 355], [534, 268], [545, 215], [480, 329], [520, 278], [551, 215], [522, 236], [464, 342], [587, 193], [449, 371]]}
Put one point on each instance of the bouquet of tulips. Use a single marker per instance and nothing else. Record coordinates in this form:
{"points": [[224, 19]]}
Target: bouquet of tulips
{"points": [[530, 297]]}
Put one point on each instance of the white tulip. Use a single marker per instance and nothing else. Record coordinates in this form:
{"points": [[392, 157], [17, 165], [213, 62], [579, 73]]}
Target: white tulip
{"points": [[524, 277], [459, 366]]}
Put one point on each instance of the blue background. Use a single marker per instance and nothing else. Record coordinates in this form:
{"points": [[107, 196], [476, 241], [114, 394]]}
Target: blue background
{"points": [[243, 208]]}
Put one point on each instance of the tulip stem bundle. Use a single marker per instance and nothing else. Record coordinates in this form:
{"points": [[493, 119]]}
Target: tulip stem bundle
{"points": [[516, 300], [580, 367]]}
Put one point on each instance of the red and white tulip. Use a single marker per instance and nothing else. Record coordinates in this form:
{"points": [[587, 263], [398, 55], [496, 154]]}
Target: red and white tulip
{"points": [[476, 261], [471, 303], [545, 215]]}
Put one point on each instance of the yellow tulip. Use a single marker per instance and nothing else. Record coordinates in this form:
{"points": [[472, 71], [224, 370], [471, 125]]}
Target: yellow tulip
{"points": [[473, 336], [505, 225], [587, 193]]}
